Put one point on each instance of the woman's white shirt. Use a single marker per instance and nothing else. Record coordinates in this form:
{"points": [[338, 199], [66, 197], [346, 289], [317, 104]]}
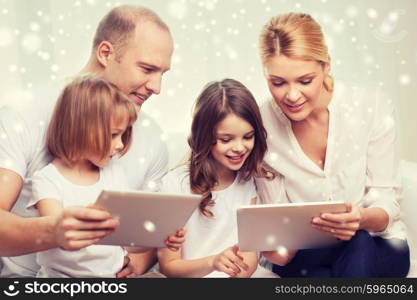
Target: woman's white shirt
{"points": [[362, 163]]}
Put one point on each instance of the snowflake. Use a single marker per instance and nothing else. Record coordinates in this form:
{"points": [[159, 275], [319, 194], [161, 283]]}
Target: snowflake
{"points": [[352, 12], [404, 79], [7, 163], [54, 68], [281, 250], [178, 9], [270, 240], [12, 68], [149, 226], [372, 13], [31, 42], [273, 156], [151, 185], [146, 123], [34, 26]]}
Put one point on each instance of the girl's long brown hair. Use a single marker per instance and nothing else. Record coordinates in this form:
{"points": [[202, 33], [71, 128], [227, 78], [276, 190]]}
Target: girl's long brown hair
{"points": [[216, 101]]}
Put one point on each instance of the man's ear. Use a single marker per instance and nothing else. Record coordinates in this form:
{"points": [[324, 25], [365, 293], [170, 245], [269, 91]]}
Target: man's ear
{"points": [[104, 52]]}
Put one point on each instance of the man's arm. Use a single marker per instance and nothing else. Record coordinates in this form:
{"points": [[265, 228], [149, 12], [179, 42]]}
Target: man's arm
{"points": [[75, 228], [19, 235]]}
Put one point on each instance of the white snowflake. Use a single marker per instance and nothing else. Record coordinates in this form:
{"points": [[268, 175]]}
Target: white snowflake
{"points": [[273, 156], [178, 9], [404, 79], [146, 123], [281, 250], [372, 13], [54, 68], [34, 26], [151, 185], [7, 163], [31, 42], [149, 226], [12, 68], [270, 240], [352, 11]]}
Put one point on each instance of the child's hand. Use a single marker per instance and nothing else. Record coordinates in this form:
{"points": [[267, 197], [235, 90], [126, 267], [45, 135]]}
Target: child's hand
{"points": [[174, 242], [230, 261], [128, 269]]}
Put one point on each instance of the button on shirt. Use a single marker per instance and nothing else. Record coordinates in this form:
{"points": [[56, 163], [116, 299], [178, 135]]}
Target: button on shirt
{"points": [[362, 164]]}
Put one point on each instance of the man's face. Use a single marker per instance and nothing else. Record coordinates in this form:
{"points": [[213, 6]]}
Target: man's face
{"points": [[146, 57]]}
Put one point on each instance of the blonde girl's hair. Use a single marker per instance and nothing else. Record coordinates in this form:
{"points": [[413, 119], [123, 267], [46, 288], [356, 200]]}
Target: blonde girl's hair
{"points": [[295, 35], [81, 122]]}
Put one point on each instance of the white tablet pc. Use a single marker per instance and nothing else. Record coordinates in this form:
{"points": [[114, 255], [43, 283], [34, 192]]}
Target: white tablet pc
{"points": [[146, 219], [268, 227]]}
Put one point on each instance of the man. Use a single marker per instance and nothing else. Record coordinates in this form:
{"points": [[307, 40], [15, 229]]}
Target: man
{"points": [[132, 49]]}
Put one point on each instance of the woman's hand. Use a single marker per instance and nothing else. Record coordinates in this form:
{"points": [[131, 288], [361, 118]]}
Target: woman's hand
{"points": [[229, 261], [340, 225]]}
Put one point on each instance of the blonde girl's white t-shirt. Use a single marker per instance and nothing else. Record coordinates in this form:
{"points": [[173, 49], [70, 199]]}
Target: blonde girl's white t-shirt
{"points": [[92, 261], [209, 236]]}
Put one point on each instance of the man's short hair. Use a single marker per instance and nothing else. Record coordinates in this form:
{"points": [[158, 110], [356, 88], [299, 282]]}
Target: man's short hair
{"points": [[118, 26]]}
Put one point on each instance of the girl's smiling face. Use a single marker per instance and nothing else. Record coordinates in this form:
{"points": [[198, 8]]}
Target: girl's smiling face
{"points": [[235, 139]]}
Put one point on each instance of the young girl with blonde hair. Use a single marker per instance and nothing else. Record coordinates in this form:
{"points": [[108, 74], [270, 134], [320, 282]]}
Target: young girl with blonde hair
{"points": [[91, 124]]}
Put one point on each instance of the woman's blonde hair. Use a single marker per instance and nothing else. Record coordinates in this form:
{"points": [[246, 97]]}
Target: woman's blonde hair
{"points": [[81, 122], [295, 35]]}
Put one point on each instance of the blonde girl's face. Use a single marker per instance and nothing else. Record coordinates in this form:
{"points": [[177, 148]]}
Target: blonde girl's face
{"points": [[296, 85], [235, 139], [117, 130]]}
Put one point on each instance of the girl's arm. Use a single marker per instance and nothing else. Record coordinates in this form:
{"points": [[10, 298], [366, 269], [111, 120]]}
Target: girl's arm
{"points": [[230, 261], [49, 207]]}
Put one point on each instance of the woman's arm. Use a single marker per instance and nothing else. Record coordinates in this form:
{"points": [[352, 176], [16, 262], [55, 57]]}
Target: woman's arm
{"points": [[278, 258]]}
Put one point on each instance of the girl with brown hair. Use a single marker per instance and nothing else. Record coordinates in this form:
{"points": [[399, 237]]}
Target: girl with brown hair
{"points": [[228, 143]]}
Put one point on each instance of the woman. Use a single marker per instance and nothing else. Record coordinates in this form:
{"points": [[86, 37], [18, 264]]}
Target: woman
{"points": [[330, 142]]}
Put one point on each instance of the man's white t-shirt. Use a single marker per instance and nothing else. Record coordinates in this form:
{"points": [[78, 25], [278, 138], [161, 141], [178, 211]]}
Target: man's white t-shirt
{"points": [[92, 261], [22, 139], [210, 236]]}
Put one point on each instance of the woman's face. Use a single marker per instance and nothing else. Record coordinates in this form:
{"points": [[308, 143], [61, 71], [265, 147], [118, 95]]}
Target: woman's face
{"points": [[296, 85]]}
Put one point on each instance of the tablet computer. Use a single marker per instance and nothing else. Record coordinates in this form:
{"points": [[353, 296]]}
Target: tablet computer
{"points": [[146, 219], [267, 227]]}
